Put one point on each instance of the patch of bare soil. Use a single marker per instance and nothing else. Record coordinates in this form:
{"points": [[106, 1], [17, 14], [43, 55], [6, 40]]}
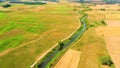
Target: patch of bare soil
{"points": [[69, 60], [1, 7]]}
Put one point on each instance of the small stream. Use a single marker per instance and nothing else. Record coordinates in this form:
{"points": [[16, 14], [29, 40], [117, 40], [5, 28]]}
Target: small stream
{"points": [[72, 39]]}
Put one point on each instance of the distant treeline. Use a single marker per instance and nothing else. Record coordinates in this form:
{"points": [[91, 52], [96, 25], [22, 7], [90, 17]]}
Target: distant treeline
{"points": [[82, 1], [30, 3], [112, 1], [27, 0]]}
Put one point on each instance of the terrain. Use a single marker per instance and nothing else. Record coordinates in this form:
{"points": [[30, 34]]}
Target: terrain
{"points": [[93, 44], [111, 34], [27, 31], [72, 61], [30, 32]]}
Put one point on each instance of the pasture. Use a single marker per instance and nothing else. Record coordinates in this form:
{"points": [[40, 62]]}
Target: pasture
{"points": [[27, 31]]}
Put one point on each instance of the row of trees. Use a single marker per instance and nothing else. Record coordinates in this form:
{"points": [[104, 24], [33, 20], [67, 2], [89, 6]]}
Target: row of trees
{"points": [[111, 1]]}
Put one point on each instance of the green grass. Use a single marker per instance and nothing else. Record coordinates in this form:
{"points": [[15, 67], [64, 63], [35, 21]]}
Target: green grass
{"points": [[2, 15], [7, 27], [10, 42], [45, 26]]}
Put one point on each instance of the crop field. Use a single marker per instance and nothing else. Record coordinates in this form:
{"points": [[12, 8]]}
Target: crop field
{"points": [[69, 60], [27, 31], [112, 36], [93, 44]]}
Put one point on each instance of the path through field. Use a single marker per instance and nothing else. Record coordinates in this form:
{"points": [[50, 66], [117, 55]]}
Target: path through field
{"points": [[112, 37], [69, 60]]}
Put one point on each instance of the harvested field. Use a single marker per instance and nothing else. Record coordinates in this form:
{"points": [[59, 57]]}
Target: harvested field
{"points": [[92, 47], [69, 60], [106, 7], [112, 37], [113, 46]]}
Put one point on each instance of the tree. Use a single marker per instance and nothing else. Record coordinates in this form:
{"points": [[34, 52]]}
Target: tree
{"points": [[81, 1], [61, 44], [110, 1]]}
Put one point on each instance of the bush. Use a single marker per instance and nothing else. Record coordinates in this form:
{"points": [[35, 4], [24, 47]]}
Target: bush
{"points": [[6, 5], [106, 60], [61, 44], [34, 3], [92, 25], [74, 9], [102, 9], [103, 22]]}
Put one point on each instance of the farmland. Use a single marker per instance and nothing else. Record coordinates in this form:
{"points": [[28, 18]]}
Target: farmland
{"points": [[72, 61], [27, 31], [93, 44]]}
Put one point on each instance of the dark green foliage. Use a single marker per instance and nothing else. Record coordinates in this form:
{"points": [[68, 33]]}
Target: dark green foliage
{"points": [[102, 9], [6, 5], [110, 1], [74, 9], [92, 25], [81, 1], [61, 44], [34, 3], [103, 22], [106, 60]]}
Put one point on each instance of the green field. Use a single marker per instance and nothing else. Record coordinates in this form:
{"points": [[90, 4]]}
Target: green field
{"points": [[27, 31]]}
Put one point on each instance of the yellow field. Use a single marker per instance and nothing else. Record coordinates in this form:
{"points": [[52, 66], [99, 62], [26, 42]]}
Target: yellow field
{"points": [[69, 60]]}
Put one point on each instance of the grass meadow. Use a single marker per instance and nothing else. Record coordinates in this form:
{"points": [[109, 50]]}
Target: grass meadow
{"points": [[27, 31]]}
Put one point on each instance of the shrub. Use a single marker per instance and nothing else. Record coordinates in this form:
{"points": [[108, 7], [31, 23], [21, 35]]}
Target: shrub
{"points": [[102, 9], [92, 25], [6, 5], [103, 22], [106, 60], [34, 3], [61, 44], [75, 9]]}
